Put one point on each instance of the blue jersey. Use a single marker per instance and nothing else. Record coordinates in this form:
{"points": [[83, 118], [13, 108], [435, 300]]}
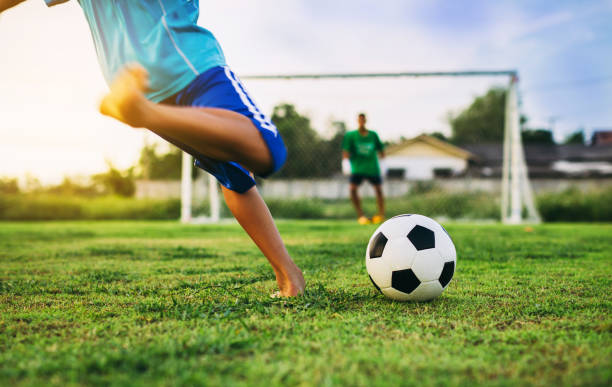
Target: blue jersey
{"points": [[161, 35]]}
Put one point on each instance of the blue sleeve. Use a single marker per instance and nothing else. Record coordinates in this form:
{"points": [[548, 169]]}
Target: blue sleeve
{"points": [[51, 3]]}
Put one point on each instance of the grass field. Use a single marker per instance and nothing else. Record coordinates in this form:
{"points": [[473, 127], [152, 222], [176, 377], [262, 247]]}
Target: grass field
{"points": [[138, 303]]}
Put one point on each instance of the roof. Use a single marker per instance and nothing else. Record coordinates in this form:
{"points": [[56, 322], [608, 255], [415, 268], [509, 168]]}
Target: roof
{"points": [[433, 142], [492, 154], [602, 137]]}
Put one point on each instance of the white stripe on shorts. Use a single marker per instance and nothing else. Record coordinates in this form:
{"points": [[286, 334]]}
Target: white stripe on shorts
{"points": [[259, 116]]}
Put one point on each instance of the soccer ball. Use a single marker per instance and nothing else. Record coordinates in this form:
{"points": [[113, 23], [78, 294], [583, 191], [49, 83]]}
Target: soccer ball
{"points": [[411, 257]]}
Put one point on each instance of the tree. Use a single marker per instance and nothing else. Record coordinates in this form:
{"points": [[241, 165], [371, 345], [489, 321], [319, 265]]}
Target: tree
{"points": [[154, 166], [75, 187], [309, 154], [482, 121], [439, 136], [116, 182], [537, 136], [575, 138], [9, 186]]}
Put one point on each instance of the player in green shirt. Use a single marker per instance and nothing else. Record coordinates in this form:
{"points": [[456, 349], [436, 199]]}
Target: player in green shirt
{"points": [[361, 149]]}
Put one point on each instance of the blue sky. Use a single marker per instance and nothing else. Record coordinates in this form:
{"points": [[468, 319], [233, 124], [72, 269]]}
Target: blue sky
{"points": [[50, 81], [560, 48]]}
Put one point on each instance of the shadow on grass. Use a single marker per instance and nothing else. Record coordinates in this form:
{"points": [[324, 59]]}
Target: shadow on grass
{"points": [[315, 300]]}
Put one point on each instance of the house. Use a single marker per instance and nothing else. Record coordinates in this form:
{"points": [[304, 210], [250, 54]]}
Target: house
{"points": [[425, 157], [602, 137], [545, 161]]}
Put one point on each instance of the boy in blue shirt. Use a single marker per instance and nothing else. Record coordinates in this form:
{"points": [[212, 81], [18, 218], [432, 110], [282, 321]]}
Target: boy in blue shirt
{"points": [[169, 75]]}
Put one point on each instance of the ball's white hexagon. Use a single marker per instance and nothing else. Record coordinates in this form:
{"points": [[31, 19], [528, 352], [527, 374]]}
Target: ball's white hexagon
{"points": [[426, 291], [445, 246], [396, 227], [395, 294], [428, 265], [399, 253], [380, 272]]}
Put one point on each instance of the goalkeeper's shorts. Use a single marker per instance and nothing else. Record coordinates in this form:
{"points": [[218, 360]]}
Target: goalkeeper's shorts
{"points": [[220, 88], [357, 179]]}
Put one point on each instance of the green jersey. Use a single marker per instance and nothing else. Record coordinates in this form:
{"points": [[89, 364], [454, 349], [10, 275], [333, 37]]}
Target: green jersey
{"points": [[363, 152]]}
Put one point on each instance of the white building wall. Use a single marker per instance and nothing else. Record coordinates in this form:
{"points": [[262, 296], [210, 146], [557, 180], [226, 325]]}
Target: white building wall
{"points": [[422, 167], [338, 188]]}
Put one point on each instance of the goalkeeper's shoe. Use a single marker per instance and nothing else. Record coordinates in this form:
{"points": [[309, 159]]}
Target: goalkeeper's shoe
{"points": [[363, 220], [378, 219]]}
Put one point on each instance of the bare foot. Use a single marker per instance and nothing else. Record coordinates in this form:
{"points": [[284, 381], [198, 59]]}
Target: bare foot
{"points": [[126, 100], [290, 285]]}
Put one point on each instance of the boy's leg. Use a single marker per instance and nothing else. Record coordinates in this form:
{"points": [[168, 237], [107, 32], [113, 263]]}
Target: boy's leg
{"points": [[253, 215], [219, 134], [380, 199], [354, 190], [216, 133], [380, 203]]}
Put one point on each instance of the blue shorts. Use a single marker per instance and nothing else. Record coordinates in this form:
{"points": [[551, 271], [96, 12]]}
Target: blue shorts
{"points": [[220, 88]]}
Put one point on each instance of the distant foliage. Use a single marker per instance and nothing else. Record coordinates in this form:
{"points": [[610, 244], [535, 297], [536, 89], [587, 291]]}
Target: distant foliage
{"points": [[155, 166], [8, 186], [574, 205], [35, 207], [440, 136], [116, 182], [482, 121], [537, 136], [71, 187], [575, 138], [309, 154]]}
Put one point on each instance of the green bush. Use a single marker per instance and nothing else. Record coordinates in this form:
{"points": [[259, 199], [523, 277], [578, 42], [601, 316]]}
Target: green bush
{"points": [[568, 206], [574, 205], [433, 203], [62, 207]]}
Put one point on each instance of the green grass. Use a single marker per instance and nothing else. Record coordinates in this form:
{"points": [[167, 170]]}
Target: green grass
{"points": [[144, 303]]}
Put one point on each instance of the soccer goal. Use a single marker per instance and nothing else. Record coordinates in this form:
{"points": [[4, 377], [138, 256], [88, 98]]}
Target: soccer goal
{"points": [[410, 111]]}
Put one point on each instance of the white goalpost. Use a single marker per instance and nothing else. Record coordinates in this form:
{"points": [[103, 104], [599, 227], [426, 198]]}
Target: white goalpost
{"points": [[517, 199]]}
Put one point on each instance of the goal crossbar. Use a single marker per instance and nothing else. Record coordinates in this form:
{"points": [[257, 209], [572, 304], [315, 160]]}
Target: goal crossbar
{"points": [[406, 74]]}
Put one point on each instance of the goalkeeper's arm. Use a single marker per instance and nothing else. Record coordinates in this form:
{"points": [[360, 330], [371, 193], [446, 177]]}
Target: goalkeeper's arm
{"points": [[346, 163], [382, 163]]}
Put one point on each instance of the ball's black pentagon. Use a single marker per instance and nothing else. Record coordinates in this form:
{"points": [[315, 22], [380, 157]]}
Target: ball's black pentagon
{"points": [[374, 283], [422, 238], [447, 273], [378, 246], [404, 281]]}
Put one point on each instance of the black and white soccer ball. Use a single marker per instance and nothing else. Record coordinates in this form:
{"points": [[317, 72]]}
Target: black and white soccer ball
{"points": [[411, 257]]}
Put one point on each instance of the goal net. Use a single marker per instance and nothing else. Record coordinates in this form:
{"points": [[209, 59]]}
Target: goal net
{"points": [[453, 146]]}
